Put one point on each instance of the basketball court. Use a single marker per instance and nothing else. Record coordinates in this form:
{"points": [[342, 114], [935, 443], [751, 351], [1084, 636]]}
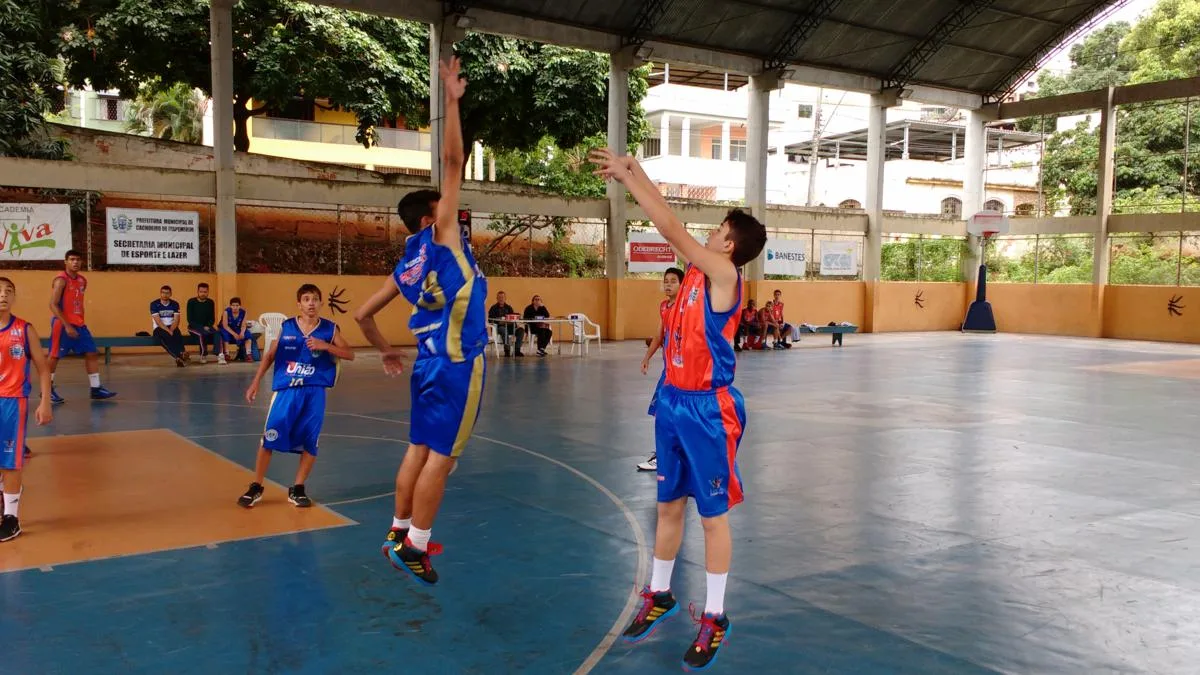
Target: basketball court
{"points": [[917, 503]]}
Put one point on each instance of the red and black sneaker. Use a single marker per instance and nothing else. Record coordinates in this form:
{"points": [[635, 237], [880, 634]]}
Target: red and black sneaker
{"points": [[713, 632], [405, 557], [397, 535], [656, 608]]}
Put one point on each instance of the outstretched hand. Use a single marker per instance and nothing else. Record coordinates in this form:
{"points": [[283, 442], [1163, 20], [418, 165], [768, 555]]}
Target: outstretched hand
{"points": [[452, 81], [610, 165]]}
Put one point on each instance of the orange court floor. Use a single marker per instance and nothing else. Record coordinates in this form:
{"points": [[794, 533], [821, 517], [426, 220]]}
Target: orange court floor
{"points": [[915, 503]]}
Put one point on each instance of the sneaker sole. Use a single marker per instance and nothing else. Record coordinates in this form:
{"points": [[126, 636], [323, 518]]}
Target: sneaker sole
{"points": [[696, 669], [643, 467], [399, 564], [14, 536], [653, 627], [298, 505], [251, 504]]}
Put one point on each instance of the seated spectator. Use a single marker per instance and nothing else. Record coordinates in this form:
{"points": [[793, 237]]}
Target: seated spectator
{"points": [[201, 322], [785, 329], [505, 330], [749, 328], [235, 330], [542, 331], [769, 325], [164, 312]]}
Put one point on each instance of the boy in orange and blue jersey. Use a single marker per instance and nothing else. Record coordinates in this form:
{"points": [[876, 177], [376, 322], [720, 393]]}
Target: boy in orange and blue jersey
{"points": [[16, 336], [700, 416], [68, 332], [671, 280]]}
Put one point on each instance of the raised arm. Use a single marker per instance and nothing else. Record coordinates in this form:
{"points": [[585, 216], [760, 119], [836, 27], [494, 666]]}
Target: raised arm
{"points": [[447, 232], [717, 267], [365, 316]]}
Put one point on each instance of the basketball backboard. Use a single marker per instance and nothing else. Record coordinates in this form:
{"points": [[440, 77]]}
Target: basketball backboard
{"points": [[987, 224]]}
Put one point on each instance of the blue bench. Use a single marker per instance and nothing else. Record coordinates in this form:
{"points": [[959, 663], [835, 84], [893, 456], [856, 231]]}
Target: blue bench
{"points": [[107, 343], [836, 331]]}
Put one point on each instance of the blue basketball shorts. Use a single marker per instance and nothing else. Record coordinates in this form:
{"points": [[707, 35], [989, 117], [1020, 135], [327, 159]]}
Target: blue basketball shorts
{"points": [[62, 344], [446, 398], [696, 436], [294, 420], [14, 419], [662, 378]]}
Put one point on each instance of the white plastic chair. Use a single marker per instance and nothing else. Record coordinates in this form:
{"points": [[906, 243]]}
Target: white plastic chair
{"points": [[494, 338], [272, 322], [582, 333]]}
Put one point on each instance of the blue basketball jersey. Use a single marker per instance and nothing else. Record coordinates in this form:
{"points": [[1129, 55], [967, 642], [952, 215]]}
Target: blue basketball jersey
{"points": [[447, 292], [298, 366], [234, 322]]}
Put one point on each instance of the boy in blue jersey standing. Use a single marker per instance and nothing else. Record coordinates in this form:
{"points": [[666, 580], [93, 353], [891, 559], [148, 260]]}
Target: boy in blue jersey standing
{"points": [[305, 360], [439, 277]]}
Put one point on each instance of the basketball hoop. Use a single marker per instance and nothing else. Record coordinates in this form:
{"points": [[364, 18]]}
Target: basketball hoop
{"points": [[987, 224]]}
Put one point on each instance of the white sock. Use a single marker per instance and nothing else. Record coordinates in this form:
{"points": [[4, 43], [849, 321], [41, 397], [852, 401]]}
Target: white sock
{"points": [[94, 379], [660, 576], [401, 523], [716, 594], [51, 378], [419, 538], [11, 502]]}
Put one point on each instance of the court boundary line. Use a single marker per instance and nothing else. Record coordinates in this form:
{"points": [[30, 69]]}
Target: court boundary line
{"points": [[600, 650]]}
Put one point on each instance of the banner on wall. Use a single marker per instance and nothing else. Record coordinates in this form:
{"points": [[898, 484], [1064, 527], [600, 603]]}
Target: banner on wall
{"points": [[147, 237], [786, 256], [839, 258], [649, 252], [34, 232]]}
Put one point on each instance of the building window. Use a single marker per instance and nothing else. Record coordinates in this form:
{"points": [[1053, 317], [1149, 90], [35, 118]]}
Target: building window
{"points": [[804, 111], [850, 204], [716, 148], [994, 205], [952, 206], [1026, 209], [652, 147], [110, 109], [737, 150]]}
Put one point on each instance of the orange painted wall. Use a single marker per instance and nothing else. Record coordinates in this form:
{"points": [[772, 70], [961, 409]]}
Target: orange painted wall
{"points": [[1140, 313], [1048, 309], [896, 308], [816, 302], [639, 300], [116, 303]]}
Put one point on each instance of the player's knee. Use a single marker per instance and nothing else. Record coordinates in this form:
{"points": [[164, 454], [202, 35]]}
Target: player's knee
{"points": [[672, 511], [715, 524]]}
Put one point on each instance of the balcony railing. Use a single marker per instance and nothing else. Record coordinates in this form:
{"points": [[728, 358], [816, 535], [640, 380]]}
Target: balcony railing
{"points": [[340, 134]]}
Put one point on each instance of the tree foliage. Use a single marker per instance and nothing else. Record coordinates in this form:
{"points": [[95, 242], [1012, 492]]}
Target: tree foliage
{"points": [[282, 50], [1149, 158], [29, 79], [174, 113], [374, 67]]}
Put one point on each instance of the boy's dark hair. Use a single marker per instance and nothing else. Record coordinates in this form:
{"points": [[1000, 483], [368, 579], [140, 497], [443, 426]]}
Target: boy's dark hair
{"points": [[202, 285], [308, 288], [415, 206], [777, 291], [6, 280], [73, 253], [164, 288], [747, 234], [676, 271], [235, 300]]}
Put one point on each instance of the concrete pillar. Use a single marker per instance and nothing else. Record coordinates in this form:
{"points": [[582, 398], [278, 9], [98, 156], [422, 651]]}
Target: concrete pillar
{"points": [[478, 153], [220, 16], [974, 166], [873, 204], [725, 141], [1104, 191], [685, 138], [664, 134], [442, 37], [620, 64], [758, 123], [904, 154]]}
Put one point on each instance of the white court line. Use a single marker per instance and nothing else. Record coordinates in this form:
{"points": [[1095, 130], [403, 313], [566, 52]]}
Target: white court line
{"points": [[643, 563]]}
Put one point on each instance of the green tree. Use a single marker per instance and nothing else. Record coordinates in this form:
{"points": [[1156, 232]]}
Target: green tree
{"points": [[283, 50], [375, 67], [29, 80], [174, 113]]}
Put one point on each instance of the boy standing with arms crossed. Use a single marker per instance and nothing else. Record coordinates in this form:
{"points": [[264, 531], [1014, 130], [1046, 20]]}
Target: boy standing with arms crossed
{"points": [[16, 336], [700, 416]]}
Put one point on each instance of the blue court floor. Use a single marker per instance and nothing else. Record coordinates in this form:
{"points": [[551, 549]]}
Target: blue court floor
{"points": [[921, 503]]}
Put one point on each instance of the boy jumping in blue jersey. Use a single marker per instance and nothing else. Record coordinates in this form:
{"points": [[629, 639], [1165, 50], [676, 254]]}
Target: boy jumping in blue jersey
{"points": [[439, 277], [305, 359], [700, 417]]}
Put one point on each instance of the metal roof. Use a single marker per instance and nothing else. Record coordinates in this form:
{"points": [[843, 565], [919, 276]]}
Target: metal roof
{"points": [[933, 141], [977, 47]]}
